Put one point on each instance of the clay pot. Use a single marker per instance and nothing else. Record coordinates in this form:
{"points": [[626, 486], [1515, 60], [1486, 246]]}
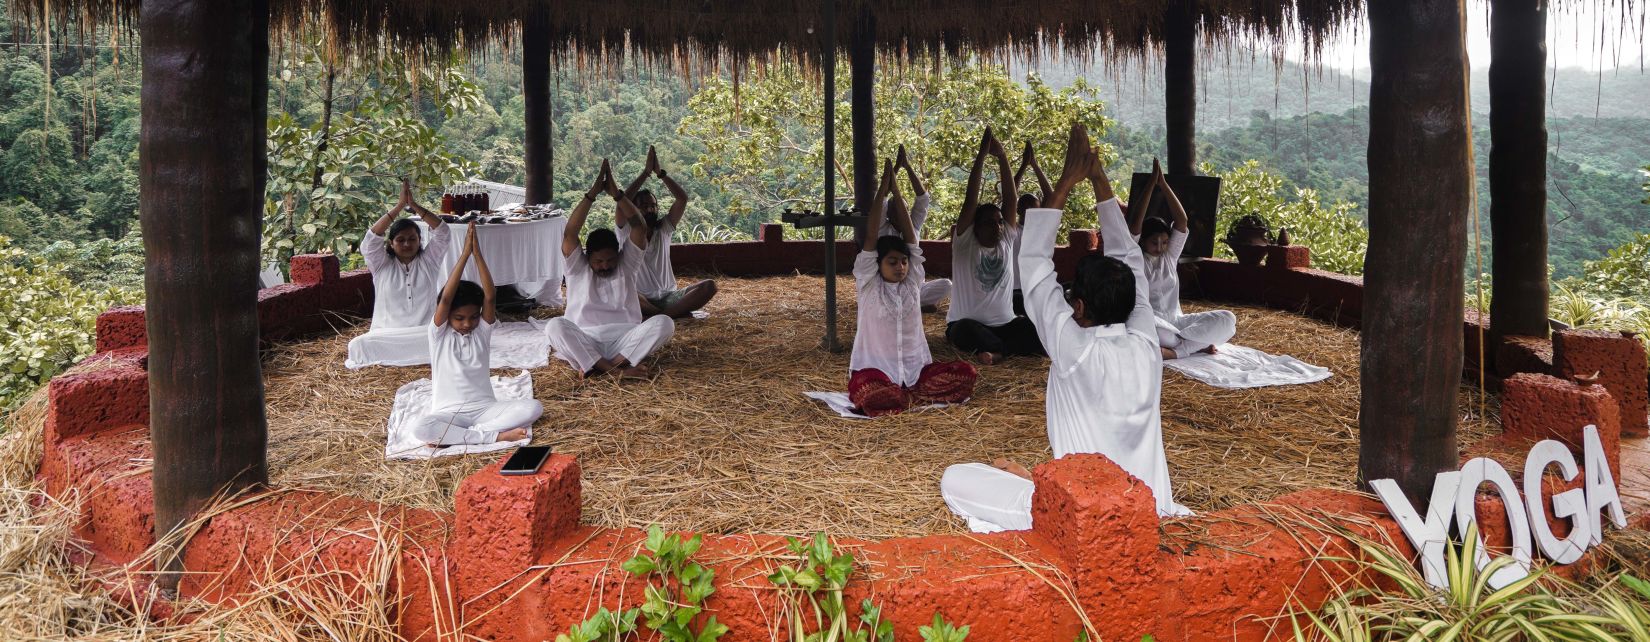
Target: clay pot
{"points": [[1248, 238], [1250, 255]]}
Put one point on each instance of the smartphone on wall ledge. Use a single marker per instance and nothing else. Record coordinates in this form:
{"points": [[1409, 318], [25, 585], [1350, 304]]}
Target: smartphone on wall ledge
{"points": [[526, 460]]}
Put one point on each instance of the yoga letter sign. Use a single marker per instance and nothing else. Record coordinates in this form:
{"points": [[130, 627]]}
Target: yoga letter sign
{"points": [[1454, 493]]}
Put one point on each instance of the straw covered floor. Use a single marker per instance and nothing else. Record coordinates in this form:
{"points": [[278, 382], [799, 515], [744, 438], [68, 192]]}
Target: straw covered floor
{"points": [[722, 439]]}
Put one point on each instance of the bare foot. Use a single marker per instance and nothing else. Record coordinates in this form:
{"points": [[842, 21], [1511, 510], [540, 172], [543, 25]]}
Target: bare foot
{"points": [[1012, 468], [1208, 350], [1167, 353], [989, 358], [604, 366], [636, 372], [513, 434]]}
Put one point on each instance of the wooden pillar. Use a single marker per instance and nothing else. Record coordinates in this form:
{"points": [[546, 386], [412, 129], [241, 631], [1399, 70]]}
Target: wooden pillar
{"points": [[1518, 167], [201, 193], [830, 342], [1419, 206], [863, 59], [1180, 87], [535, 89]]}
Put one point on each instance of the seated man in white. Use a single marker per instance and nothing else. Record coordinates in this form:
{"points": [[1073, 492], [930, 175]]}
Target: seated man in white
{"points": [[603, 330], [460, 334], [1106, 377], [405, 276], [934, 291], [981, 320], [1180, 334], [657, 280]]}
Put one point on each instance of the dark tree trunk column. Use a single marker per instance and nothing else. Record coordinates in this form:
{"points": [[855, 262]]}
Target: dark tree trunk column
{"points": [[830, 342], [862, 51], [1419, 200], [1180, 88], [1518, 167], [535, 89], [201, 153]]}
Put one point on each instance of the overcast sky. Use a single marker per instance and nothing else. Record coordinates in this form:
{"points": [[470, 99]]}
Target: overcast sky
{"points": [[1574, 39]]}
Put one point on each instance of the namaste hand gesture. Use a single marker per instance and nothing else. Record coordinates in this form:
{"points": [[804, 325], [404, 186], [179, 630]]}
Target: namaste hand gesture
{"points": [[900, 160], [653, 162], [406, 195], [600, 185], [470, 239]]}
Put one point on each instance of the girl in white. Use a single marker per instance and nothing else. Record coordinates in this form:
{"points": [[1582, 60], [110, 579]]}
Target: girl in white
{"points": [[603, 330], [405, 275], [464, 410], [1106, 378], [1179, 334], [891, 367], [934, 291]]}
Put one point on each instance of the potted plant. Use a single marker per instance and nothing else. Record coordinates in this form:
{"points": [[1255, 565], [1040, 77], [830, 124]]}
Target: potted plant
{"points": [[1248, 237]]}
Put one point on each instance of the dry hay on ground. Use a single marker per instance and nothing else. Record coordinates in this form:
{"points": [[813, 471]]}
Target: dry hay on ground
{"points": [[723, 440]]}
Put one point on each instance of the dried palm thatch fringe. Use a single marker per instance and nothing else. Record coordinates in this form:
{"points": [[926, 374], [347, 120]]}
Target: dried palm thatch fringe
{"points": [[722, 440]]}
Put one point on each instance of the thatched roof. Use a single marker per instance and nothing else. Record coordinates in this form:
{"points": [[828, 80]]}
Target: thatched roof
{"points": [[720, 29]]}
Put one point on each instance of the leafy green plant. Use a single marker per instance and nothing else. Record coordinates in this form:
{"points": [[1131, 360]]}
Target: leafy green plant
{"points": [[814, 584], [47, 322], [604, 626], [676, 589], [942, 631], [1537, 607], [1335, 233]]}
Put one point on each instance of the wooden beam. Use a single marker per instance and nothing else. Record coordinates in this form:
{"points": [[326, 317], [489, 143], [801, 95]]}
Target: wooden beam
{"points": [[535, 89], [863, 60], [201, 192], [830, 341], [1180, 87], [1518, 167], [1419, 204]]}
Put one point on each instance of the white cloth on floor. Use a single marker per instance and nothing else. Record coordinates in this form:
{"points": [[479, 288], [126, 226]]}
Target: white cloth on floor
{"points": [[1193, 332], [515, 345], [1233, 366], [404, 294], [889, 336], [412, 408], [1106, 382], [527, 253], [988, 498], [656, 277], [982, 278], [838, 401], [935, 292], [583, 347]]}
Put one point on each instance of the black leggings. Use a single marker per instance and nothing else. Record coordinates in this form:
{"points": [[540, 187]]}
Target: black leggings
{"points": [[1017, 337]]}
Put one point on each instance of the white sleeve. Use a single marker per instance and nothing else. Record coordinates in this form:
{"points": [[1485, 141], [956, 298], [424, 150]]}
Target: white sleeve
{"points": [[1045, 300], [919, 213], [917, 272], [373, 253], [441, 238], [1177, 244], [1112, 225], [865, 267]]}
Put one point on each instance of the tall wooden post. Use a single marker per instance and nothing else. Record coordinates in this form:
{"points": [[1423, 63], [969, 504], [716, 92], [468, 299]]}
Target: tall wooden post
{"points": [[1180, 87], [863, 59], [830, 342], [1518, 166], [201, 180], [535, 90], [1419, 205]]}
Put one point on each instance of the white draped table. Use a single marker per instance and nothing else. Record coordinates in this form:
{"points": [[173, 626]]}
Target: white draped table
{"points": [[526, 255]]}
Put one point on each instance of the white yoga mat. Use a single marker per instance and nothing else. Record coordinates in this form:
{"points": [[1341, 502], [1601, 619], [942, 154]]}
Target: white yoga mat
{"points": [[412, 403], [1235, 366], [839, 402]]}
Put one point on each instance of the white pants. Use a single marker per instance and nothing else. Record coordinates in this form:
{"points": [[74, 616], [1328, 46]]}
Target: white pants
{"points": [[478, 423], [989, 498], [390, 347], [1196, 331], [935, 292], [583, 347]]}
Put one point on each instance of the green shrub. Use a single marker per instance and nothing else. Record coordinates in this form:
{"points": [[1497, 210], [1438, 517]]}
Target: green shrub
{"points": [[1335, 233], [47, 321]]}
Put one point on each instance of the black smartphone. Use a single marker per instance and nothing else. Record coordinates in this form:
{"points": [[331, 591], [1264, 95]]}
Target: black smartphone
{"points": [[526, 460]]}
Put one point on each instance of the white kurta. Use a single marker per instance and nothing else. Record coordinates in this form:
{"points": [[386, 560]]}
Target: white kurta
{"points": [[604, 318], [934, 291], [1106, 382], [458, 368], [656, 277], [890, 335], [982, 278], [404, 297], [1184, 333]]}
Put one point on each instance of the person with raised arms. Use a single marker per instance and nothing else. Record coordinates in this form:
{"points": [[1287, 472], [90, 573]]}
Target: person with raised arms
{"points": [[460, 334], [1179, 334], [981, 320], [1105, 382], [603, 330], [891, 368], [934, 291], [656, 282], [405, 276], [1028, 161]]}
